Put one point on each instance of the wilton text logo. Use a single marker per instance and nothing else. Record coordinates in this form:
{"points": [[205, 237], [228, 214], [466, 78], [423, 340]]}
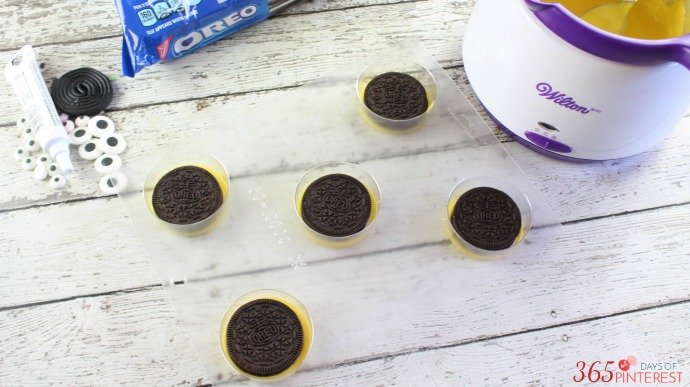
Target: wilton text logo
{"points": [[546, 91]]}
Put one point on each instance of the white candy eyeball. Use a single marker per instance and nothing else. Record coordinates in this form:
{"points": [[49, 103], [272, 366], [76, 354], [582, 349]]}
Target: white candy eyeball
{"points": [[21, 153], [32, 145], [64, 117], [28, 132], [101, 126], [80, 136], [113, 183], [69, 125], [112, 144], [82, 121], [54, 169], [44, 159], [58, 182], [107, 164], [28, 164], [22, 123], [90, 150], [40, 172]]}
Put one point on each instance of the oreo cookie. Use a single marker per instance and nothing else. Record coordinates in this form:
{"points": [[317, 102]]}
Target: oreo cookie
{"points": [[264, 337], [487, 218], [336, 205], [396, 96], [186, 195], [83, 91]]}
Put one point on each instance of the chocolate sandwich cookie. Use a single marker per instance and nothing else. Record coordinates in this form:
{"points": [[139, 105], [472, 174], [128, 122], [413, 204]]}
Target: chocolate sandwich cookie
{"points": [[83, 91], [487, 218], [396, 96], [264, 337], [186, 195], [336, 205]]}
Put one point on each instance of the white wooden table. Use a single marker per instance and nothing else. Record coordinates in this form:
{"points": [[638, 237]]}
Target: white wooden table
{"points": [[81, 304]]}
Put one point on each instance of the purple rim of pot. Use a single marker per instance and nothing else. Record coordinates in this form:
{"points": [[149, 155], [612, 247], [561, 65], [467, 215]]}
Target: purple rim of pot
{"points": [[607, 45]]}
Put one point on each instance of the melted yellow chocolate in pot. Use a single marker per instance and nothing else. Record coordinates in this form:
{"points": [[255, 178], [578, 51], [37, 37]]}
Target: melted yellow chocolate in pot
{"points": [[610, 17], [642, 19], [578, 7]]}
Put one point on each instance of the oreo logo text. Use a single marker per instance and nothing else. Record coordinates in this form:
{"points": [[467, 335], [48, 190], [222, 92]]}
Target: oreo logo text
{"points": [[193, 39]]}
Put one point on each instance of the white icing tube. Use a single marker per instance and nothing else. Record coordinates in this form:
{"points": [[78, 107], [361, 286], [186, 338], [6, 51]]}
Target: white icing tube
{"points": [[23, 73]]}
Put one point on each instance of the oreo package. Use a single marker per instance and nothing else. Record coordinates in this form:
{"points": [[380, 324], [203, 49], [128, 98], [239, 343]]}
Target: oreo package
{"points": [[160, 30]]}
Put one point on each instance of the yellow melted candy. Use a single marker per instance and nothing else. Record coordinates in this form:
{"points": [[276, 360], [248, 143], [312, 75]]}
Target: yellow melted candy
{"points": [[642, 19]]}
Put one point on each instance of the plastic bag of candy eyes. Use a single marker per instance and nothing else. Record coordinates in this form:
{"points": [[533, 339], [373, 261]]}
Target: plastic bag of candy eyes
{"points": [[326, 227]]}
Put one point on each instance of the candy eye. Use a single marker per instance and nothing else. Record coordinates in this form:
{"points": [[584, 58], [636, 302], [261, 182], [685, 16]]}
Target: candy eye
{"points": [[64, 117], [79, 137], [28, 164], [22, 123], [45, 160], [108, 163], [53, 169], [40, 172], [32, 145], [82, 121], [58, 182], [69, 125], [28, 133], [113, 183], [112, 144], [90, 150], [101, 126], [20, 153]]}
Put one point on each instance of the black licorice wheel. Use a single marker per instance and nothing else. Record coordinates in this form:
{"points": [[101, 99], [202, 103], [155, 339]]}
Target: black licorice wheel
{"points": [[83, 91]]}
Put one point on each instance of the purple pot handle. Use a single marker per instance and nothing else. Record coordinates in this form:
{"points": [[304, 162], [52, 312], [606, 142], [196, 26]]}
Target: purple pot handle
{"points": [[606, 45], [681, 52], [538, 6]]}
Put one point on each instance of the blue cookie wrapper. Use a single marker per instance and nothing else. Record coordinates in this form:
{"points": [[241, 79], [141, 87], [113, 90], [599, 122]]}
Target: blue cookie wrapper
{"points": [[155, 31]]}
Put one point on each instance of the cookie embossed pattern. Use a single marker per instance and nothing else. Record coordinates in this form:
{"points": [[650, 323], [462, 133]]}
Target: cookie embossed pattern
{"points": [[187, 192], [336, 205], [396, 96], [186, 195], [337, 202], [266, 334], [488, 216], [264, 337]]}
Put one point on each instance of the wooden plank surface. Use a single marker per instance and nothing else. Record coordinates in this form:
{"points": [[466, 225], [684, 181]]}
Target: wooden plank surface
{"points": [[121, 338], [545, 283], [73, 260], [75, 21], [424, 297], [133, 339], [268, 56], [93, 265], [545, 357], [583, 190]]}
